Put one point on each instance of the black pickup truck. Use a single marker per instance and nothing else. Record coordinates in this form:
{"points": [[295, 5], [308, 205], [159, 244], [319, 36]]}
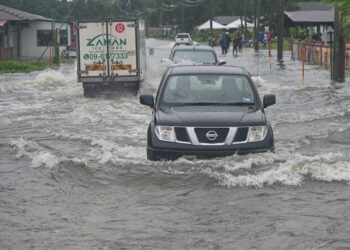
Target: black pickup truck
{"points": [[207, 111]]}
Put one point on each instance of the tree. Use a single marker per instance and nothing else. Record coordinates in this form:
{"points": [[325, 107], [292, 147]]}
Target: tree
{"points": [[344, 6]]}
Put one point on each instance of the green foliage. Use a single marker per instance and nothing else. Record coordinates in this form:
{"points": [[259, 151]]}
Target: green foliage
{"points": [[20, 66], [344, 7], [299, 32], [79, 9], [150, 10], [287, 46]]}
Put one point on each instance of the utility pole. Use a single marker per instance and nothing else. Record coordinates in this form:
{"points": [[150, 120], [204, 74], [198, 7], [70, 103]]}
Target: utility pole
{"points": [[161, 19], [280, 31], [211, 15], [338, 65], [245, 16], [257, 23], [182, 18]]}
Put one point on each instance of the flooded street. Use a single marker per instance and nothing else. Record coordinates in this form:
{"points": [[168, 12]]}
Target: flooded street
{"points": [[74, 174]]}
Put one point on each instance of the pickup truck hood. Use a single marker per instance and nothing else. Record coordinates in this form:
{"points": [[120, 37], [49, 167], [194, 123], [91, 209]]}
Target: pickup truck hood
{"points": [[209, 116]]}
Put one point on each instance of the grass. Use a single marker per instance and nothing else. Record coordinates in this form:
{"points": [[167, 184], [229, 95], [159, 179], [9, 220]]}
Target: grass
{"points": [[22, 66]]}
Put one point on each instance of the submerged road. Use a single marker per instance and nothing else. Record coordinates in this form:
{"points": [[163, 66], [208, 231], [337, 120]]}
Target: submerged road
{"points": [[74, 174]]}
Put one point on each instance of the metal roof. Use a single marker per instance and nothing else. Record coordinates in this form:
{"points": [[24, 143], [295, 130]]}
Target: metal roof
{"points": [[311, 17], [11, 14]]}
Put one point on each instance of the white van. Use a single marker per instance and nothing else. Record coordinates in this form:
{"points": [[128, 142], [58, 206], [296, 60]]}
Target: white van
{"points": [[183, 38]]}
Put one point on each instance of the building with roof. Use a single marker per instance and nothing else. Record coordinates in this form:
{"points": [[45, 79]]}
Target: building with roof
{"points": [[311, 14], [27, 36], [317, 17]]}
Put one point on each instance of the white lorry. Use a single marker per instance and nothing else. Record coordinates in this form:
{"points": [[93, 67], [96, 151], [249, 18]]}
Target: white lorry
{"points": [[111, 55]]}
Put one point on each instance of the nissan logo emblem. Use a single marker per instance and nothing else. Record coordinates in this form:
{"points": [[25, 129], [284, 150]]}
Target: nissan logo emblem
{"points": [[212, 135]]}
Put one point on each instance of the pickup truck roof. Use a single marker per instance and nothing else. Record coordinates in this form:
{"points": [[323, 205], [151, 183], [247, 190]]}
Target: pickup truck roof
{"points": [[207, 69]]}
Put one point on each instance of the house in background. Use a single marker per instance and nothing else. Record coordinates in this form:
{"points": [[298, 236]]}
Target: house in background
{"points": [[317, 17], [27, 36]]}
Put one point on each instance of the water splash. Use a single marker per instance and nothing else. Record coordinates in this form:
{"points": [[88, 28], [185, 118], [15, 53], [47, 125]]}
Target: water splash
{"points": [[40, 156]]}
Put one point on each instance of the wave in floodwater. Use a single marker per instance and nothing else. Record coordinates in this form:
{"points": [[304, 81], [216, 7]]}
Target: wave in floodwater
{"points": [[41, 156], [256, 171]]}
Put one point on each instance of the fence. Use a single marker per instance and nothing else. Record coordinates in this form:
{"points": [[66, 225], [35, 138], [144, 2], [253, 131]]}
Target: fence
{"points": [[317, 52]]}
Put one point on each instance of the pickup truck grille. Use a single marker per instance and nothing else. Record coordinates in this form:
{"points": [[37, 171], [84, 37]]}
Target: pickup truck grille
{"points": [[203, 132], [181, 134], [241, 135]]}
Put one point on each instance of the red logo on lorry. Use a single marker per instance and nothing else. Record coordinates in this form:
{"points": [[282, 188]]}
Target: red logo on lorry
{"points": [[120, 28]]}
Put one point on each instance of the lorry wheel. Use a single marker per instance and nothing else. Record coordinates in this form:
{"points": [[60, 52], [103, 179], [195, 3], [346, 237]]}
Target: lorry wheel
{"points": [[91, 92], [135, 91], [86, 92]]}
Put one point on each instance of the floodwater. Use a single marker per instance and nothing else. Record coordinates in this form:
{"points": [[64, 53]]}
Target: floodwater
{"points": [[74, 174]]}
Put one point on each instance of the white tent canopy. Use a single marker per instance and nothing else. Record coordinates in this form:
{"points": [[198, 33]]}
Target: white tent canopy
{"points": [[206, 26], [236, 24]]}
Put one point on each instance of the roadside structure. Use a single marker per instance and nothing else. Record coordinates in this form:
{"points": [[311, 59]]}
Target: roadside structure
{"points": [[315, 16], [27, 36], [224, 20], [326, 43]]}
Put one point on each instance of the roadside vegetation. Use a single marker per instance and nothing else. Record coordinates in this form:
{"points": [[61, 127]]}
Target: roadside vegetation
{"points": [[22, 66], [13, 66]]}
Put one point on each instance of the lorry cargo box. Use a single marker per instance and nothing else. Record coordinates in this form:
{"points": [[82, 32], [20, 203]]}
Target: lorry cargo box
{"points": [[111, 55]]}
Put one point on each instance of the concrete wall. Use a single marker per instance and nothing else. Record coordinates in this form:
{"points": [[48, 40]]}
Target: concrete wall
{"points": [[29, 47]]}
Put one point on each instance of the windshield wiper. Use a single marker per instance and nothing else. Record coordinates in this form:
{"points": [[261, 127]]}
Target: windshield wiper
{"points": [[219, 104], [248, 104], [176, 104], [239, 104]]}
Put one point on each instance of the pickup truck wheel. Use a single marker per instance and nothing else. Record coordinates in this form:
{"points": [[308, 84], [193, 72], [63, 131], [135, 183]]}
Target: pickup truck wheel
{"points": [[152, 156], [160, 156], [157, 156]]}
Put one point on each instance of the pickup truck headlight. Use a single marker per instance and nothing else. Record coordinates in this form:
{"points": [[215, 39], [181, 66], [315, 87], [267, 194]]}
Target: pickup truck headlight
{"points": [[165, 133], [257, 133]]}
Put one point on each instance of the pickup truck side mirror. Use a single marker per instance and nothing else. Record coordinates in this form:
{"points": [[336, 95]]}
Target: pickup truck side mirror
{"points": [[269, 100], [222, 62], [147, 100], [165, 60]]}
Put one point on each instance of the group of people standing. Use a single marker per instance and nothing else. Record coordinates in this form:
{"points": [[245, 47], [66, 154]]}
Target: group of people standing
{"points": [[225, 41]]}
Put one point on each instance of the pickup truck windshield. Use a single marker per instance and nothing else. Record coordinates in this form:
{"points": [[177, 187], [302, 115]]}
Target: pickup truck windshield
{"points": [[196, 56], [207, 90]]}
